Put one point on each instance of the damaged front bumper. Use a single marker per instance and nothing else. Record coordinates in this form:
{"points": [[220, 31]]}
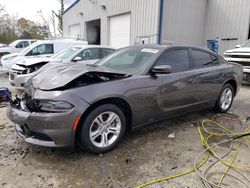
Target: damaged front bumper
{"points": [[44, 129]]}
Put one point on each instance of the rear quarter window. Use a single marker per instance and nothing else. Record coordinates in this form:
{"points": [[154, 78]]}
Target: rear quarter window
{"points": [[202, 59]]}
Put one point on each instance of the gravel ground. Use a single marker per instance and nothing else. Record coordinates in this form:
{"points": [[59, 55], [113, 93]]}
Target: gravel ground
{"points": [[142, 156]]}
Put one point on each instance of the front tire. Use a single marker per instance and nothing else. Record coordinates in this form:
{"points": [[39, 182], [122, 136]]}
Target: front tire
{"points": [[103, 129], [225, 99]]}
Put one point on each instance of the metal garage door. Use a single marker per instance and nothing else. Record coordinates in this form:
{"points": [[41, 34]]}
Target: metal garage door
{"points": [[119, 31], [183, 21], [74, 31]]}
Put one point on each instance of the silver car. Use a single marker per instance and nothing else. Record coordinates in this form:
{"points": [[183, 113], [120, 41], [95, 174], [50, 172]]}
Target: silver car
{"points": [[23, 70], [94, 105]]}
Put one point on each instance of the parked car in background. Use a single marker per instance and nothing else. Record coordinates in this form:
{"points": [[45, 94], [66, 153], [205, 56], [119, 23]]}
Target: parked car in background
{"points": [[241, 55], [16, 46], [43, 48], [94, 105], [23, 70], [3, 45]]}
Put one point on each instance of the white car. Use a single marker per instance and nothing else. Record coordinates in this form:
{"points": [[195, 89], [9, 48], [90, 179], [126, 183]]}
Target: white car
{"points": [[16, 46], [241, 55], [23, 70], [3, 45], [43, 48]]}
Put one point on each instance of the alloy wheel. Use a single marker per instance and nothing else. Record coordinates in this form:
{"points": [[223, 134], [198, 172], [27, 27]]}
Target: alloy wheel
{"points": [[105, 129], [226, 99]]}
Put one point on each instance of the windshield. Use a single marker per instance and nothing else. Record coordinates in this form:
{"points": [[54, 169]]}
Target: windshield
{"points": [[246, 45], [129, 60], [14, 43], [65, 54]]}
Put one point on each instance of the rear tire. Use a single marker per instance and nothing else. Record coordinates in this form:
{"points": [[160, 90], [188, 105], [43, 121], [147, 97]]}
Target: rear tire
{"points": [[225, 99], [102, 129]]}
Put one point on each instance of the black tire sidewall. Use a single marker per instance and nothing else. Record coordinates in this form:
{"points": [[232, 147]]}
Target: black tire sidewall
{"points": [[85, 142], [218, 105]]}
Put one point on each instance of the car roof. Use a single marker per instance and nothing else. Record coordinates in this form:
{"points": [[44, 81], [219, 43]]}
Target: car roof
{"points": [[93, 46], [163, 47]]}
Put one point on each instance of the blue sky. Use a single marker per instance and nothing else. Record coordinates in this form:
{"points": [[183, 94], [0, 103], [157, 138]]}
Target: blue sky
{"points": [[29, 8]]}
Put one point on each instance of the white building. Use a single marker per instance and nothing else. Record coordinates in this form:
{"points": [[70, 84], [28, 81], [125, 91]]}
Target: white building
{"points": [[191, 22]]}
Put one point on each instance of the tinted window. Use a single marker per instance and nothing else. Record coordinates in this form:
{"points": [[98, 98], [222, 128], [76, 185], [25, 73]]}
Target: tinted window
{"points": [[42, 49], [25, 44], [19, 45], [201, 59], [177, 59], [90, 54], [22, 44], [106, 51]]}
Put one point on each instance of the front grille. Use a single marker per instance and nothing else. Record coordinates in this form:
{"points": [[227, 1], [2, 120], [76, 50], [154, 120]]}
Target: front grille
{"points": [[240, 56], [242, 63], [41, 136]]}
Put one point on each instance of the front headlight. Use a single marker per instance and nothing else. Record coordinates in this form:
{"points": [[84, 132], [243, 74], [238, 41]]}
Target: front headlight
{"points": [[53, 106]]}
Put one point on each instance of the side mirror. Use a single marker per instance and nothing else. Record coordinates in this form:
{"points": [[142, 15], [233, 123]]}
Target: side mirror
{"points": [[19, 46], [238, 46], [77, 58], [162, 69]]}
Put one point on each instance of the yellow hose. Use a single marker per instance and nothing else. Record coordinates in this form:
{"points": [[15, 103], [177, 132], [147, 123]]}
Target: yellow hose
{"points": [[205, 143]]}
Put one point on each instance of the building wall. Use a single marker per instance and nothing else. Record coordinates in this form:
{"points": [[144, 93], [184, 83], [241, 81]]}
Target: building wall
{"points": [[72, 18], [144, 17], [190, 22], [227, 19], [183, 21]]}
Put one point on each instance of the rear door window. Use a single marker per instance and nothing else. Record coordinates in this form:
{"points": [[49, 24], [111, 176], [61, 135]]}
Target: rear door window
{"points": [[178, 59], [201, 59]]}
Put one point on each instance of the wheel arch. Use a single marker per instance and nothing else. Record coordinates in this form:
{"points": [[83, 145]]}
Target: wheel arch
{"points": [[233, 83], [121, 103]]}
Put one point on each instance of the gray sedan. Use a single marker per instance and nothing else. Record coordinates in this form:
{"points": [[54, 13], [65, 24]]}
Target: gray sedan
{"points": [[92, 106]]}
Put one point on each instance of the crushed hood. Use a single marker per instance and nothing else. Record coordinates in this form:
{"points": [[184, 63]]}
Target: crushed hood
{"points": [[13, 55], [34, 60], [57, 76]]}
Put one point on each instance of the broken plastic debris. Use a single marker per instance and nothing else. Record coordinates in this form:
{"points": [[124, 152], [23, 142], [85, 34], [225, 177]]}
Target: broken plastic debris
{"points": [[171, 135]]}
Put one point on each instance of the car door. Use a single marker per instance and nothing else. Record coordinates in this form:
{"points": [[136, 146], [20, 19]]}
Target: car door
{"points": [[172, 93], [44, 50], [209, 75]]}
